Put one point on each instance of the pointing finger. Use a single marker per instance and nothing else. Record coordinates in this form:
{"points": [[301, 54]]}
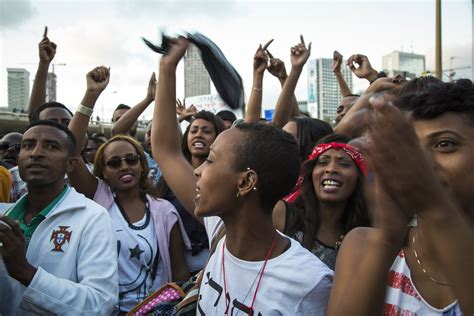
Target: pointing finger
{"points": [[302, 39], [267, 44]]}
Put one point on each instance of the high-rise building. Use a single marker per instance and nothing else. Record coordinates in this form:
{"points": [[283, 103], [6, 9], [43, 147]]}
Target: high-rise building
{"points": [[196, 77], [51, 87], [324, 95], [18, 88], [402, 63]]}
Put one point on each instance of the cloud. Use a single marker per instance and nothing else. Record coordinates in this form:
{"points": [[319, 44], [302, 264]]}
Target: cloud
{"points": [[15, 12], [177, 9]]}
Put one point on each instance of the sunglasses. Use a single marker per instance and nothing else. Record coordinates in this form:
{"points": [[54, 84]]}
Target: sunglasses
{"points": [[5, 146], [116, 162]]}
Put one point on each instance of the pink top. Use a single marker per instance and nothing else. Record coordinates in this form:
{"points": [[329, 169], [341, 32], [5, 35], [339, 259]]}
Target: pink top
{"points": [[164, 216]]}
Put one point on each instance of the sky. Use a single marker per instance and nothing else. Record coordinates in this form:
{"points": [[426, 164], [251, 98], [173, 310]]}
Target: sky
{"points": [[91, 33]]}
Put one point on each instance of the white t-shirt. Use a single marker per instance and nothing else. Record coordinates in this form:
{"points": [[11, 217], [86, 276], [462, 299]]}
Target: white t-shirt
{"points": [[294, 283], [138, 257]]}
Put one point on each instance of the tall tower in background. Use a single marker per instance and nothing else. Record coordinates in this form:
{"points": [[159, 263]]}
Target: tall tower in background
{"points": [[324, 95], [18, 88], [196, 78], [408, 65], [51, 87]]}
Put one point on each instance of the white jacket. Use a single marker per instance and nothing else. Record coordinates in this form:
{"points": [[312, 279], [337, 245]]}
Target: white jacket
{"points": [[75, 277]]}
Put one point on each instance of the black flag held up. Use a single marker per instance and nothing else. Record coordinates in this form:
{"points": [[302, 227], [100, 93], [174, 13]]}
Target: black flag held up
{"points": [[226, 79]]}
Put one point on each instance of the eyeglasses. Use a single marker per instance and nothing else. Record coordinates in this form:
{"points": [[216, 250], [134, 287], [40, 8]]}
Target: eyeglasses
{"points": [[5, 146], [116, 162]]}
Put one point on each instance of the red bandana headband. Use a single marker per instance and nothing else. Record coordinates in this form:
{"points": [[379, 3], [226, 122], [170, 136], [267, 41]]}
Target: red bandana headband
{"points": [[353, 152]]}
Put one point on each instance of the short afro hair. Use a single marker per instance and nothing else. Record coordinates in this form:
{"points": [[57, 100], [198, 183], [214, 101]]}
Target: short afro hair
{"points": [[72, 144], [227, 115], [273, 154], [439, 99], [34, 116]]}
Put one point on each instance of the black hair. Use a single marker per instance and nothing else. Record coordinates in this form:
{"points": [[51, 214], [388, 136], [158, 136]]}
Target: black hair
{"points": [[439, 99], [227, 115], [417, 85], [219, 127], [120, 107], [96, 140], [273, 154], [72, 144], [309, 131], [34, 116], [306, 215]]}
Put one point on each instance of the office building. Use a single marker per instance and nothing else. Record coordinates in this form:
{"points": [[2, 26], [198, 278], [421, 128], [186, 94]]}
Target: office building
{"points": [[196, 78], [51, 87], [18, 89], [324, 95], [406, 64]]}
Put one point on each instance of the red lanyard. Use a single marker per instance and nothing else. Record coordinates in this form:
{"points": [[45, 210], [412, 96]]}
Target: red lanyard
{"points": [[259, 279]]}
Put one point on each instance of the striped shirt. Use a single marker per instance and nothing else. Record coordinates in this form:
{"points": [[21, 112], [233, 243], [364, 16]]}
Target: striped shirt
{"points": [[403, 299]]}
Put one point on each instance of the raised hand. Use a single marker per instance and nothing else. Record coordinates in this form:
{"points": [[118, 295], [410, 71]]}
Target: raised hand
{"points": [[336, 61], [389, 126], [260, 59], [180, 106], [300, 53], [364, 69], [47, 49], [183, 112], [151, 91], [177, 50], [98, 79], [276, 67]]}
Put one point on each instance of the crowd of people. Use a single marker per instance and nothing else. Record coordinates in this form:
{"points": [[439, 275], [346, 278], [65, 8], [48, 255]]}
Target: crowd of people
{"points": [[372, 214]]}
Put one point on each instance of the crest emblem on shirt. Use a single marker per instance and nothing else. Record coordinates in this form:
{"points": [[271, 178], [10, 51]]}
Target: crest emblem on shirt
{"points": [[59, 238]]}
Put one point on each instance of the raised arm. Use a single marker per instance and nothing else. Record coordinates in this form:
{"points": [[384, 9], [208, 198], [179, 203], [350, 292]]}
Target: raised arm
{"points": [[336, 69], [80, 178], [165, 132], [284, 107], [126, 121], [277, 68], [47, 51], [254, 106]]}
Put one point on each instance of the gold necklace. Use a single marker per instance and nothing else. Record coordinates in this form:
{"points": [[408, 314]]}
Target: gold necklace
{"points": [[421, 265]]}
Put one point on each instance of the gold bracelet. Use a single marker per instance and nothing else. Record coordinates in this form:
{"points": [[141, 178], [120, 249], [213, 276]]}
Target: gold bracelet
{"points": [[257, 89]]}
